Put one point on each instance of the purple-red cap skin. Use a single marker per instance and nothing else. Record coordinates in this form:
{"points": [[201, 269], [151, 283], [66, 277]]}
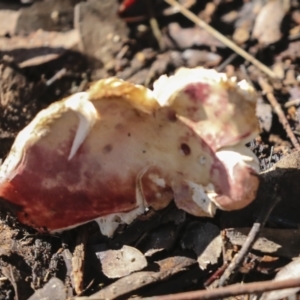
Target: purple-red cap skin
{"points": [[119, 148]]}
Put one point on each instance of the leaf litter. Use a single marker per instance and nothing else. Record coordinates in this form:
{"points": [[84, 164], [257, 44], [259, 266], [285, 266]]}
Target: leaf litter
{"points": [[28, 260]]}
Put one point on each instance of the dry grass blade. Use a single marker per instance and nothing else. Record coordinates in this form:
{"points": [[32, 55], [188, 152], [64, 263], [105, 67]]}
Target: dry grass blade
{"points": [[268, 90], [191, 16], [154, 25]]}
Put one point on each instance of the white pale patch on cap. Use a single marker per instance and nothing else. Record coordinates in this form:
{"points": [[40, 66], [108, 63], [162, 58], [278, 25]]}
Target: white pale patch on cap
{"points": [[108, 224], [40, 126], [157, 180], [237, 154], [49, 183], [247, 90], [87, 115], [202, 196], [202, 160], [166, 87]]}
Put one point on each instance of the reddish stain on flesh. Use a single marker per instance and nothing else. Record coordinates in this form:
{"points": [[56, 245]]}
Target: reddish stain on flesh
{"points": [[243, 187], [171, 115], [198, 92], [186, 150], [61, 205], [219, 176], [50, 192]]}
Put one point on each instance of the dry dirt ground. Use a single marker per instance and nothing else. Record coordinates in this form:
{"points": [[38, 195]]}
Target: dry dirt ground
{"points": [[50, 49]]}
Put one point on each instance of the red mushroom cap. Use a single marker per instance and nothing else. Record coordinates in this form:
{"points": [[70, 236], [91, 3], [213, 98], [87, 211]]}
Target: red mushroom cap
{"points": [[108, 153]]}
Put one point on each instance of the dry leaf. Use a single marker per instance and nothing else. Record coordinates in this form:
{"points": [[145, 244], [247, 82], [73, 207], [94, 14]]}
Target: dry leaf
{"points": [[205, 240], [268, 31], [119, 263], [166, 268], [264, 114], [39, 47], [53, 290]]}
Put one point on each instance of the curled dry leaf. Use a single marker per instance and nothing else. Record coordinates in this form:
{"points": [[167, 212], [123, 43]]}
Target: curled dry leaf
{"points": [[269, 32], [119, 263], [290, 271], [108, 153]]}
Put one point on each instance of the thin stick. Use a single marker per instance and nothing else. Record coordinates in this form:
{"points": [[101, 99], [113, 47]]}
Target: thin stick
{"points": [[268, 90], [191, 16], [233, 267], [292, 103], [226, 62], [154, 26], [270, 157], [231, 290], [56, 76]]}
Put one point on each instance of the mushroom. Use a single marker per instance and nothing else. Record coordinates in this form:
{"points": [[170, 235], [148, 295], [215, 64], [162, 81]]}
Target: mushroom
{"points": [[110, 152]]}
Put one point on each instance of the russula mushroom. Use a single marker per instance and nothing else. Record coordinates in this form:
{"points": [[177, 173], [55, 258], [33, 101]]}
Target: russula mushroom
{"points": [[108, 153]]}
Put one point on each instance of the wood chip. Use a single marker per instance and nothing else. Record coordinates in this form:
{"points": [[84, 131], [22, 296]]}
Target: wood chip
{"points": [[78, 260]]}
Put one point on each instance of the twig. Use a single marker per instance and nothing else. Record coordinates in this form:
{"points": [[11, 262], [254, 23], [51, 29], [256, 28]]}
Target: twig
{"points": [[270, 157], [56, 76], [216, 275], [154, 26], [226, 62], [231, 290], [268, 90], [251, 239], [191, 16], [293, 102], [294, 37]]}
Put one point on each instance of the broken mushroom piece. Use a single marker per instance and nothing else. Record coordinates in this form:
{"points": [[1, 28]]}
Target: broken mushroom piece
{"points": [[221, 112], [108, 153]]}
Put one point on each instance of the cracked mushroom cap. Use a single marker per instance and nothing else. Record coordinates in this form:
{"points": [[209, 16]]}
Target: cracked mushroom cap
{"points": [[220, 109], [108, 153], [222, 112]]}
